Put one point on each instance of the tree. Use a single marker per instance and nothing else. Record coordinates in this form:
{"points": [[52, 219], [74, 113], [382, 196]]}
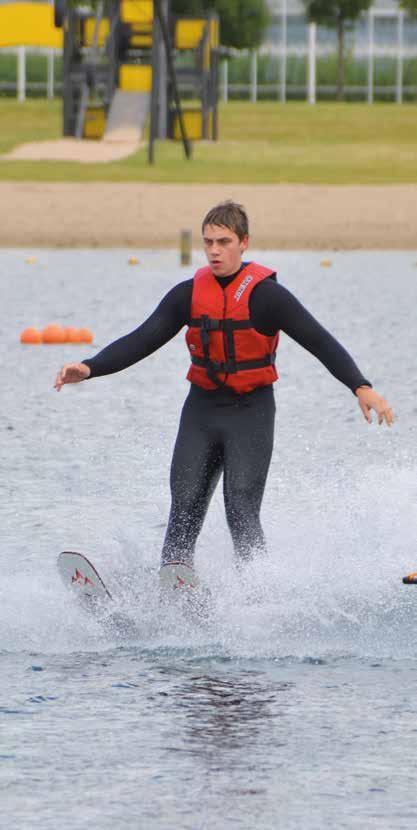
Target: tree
{"points": [[242, 22], [339, 15], [409, 6]]}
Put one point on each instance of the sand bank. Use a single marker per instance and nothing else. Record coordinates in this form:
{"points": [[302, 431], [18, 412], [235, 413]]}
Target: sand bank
{"points": [[73, 149], [152, 215]]}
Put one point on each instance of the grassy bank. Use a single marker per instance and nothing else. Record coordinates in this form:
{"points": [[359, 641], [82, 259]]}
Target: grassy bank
{"points": [[259, 143]]}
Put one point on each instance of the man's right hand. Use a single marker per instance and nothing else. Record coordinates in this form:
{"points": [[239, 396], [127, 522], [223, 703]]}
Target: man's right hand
{"points": [[72, 373]]}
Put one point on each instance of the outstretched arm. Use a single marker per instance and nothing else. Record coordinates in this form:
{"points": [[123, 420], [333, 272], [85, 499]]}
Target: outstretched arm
{"points": [[273, 307], [162, 325]]}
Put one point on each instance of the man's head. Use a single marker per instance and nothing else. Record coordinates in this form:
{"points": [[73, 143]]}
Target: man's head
{"points": [[225, 237]]}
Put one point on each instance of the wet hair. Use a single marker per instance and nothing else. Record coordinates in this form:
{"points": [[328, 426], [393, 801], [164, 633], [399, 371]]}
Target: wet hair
{"points": [[228, 215]]}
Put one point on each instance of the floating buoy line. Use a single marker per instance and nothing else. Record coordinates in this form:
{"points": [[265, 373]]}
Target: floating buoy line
{"points": [[55, 334]]}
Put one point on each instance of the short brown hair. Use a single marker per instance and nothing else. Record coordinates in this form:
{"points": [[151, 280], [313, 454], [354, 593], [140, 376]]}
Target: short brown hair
{"points": [[228, 215]]}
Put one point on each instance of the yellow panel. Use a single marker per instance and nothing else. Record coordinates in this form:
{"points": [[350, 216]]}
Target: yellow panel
{"points": [[141, 40], [188, 33], [103, 31], [193, 120], [95, 122], [136, 11], [214, 33], [29, 24], [134, 78]]}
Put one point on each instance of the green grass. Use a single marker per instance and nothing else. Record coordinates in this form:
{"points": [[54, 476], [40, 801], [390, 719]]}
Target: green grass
{"points": [[35, 120], [259, 143]]}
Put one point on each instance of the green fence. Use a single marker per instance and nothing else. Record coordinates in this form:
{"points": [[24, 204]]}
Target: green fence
{"points": [[268, 80], [36, 73]]}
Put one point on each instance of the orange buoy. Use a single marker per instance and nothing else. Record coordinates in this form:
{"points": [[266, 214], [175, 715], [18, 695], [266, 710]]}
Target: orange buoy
{"points": [[326, 263], [31, 336], [133, 260], [53, 334], [72, 335], [86, 336]]}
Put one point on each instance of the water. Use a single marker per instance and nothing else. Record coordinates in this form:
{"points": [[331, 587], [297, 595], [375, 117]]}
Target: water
{"points": [[296, 707]]}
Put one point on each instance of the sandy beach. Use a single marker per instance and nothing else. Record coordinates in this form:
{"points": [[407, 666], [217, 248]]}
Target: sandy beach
{"points": [[152, 215]]}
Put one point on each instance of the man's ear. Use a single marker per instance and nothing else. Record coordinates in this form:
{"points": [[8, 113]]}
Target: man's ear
{"points": [[244, 243]]}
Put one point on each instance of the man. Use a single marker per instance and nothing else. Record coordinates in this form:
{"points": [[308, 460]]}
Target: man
{"points": [[234, 312]]}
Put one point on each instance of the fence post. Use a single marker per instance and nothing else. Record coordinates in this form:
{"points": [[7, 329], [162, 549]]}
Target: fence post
{"points": [[311, 63], [400, 57], [50, 82], [283, 73], [225, 84], [370, 56], [21, 73], [254, 76]]}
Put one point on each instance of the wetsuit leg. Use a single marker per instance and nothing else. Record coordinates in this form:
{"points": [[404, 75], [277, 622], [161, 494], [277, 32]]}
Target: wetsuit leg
{"points": [[248, 444], [220, 432], [195, 470]]}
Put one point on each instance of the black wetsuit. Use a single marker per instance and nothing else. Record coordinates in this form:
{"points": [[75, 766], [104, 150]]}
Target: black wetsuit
{"points": [[221, 431]]}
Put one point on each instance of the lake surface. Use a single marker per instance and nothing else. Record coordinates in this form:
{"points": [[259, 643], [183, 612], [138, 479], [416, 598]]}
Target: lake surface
{"points": [[296, 706]]}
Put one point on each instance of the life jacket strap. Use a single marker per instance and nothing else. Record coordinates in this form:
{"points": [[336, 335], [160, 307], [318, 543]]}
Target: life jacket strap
{"points": [[207, 324], [210, 324], [230, 367]]}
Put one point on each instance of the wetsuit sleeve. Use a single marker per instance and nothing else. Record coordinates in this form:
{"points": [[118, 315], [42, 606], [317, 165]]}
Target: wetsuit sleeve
{"points": [[163, 324], [274, 308]]}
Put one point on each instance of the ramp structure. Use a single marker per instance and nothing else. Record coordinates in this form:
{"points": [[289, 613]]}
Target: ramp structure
{"points": [[125, 60], [127, 116]]}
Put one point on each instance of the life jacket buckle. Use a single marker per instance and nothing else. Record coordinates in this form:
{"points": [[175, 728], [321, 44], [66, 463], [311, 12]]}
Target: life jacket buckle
{"points": [[208, 324]]}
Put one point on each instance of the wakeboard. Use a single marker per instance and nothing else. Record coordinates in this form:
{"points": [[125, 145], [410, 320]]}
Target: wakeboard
{"points": [[178, 585], [178, 577], [81, 577]]}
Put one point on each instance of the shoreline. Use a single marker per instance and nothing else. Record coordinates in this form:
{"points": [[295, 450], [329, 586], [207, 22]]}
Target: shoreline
{"points": [[143, 215]]}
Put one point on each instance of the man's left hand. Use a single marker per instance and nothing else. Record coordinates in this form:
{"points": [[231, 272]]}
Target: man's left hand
{"points": [[368, 400]]}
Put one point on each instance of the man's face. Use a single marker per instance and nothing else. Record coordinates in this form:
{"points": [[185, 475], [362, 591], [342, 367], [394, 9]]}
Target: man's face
{"points": [[223, 249]]}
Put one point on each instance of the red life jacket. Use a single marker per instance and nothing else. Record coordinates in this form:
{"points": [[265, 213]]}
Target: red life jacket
{"points": [[225, 349]]}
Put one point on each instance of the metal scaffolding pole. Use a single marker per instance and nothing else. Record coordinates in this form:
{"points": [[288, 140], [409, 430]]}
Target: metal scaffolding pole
{"points": [[160, 8]]}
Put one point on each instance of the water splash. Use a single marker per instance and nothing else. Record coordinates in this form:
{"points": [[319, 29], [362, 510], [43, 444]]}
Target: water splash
{"points": [[330, 586]]}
